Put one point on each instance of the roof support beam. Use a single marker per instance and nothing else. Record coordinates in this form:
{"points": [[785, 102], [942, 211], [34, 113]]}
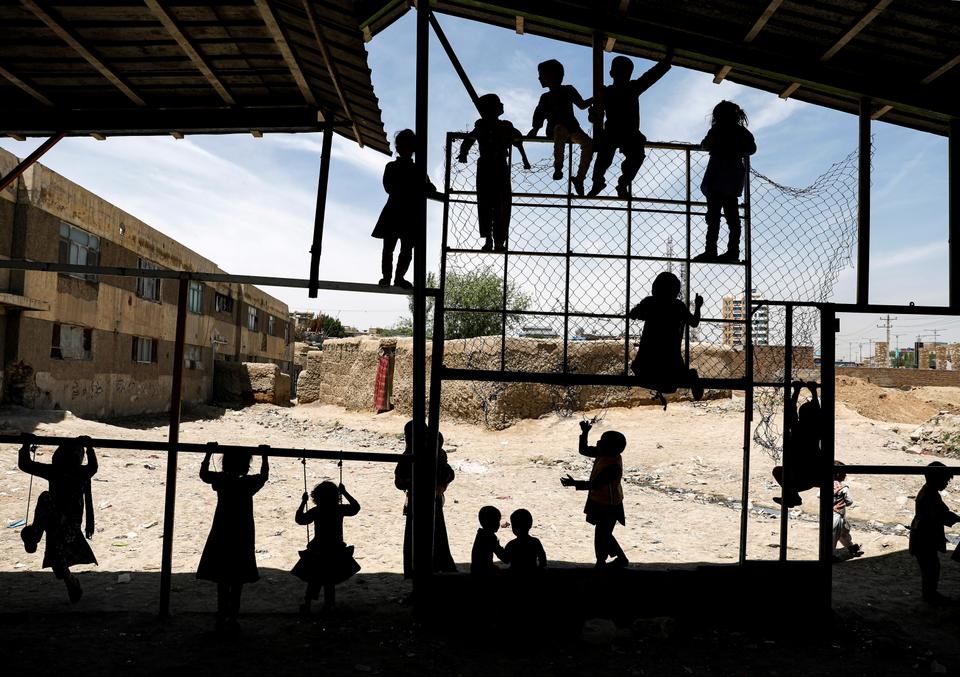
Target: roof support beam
{"points": [[71, 38], [321, 208], [28, 161], [276, 32], [762, 20], [940, 71], [953, 211], [457, 66], [863, 206], [721, 74], [855, 29], [190, 50], [29, 89], [328, 60], [519, 25], [790, 89]]}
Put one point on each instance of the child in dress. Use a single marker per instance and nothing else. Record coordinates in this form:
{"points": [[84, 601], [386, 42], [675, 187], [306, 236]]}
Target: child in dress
{"points": [[327, 559], [60, 509], [524, 553], [486, 545], [659, 363], [604, 506], [556, 109], [229, 556], [399, 219], [494, 190], [841, 527], [801, 446], [927, 539], [728, 142]]}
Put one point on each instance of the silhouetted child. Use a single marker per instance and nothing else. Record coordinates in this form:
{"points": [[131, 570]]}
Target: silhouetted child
{"points": [[556, 109], [400, 217], [494, 192], [229, 556], [621, 106], [60, 510], [728, 142], [524, 553], [927, 539], [604, 506], [403, 480], [801, 446], [659, 363], [327, 559], [486, 544], [841, 527]]}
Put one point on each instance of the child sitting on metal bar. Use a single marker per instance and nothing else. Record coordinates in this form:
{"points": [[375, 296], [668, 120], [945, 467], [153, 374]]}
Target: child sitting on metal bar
{"points": [[556, 109], [728, 142], [60, 510], [494, 191], [229, 557], [399, 219], [486, 544], [524, 553], [927, 539], [659, 364], [604, 507], [801, 446], [327, 559]]}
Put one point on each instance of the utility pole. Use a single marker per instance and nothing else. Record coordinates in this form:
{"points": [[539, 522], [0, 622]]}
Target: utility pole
{"points": [[872, 355], [886, 324], [896, 349], [850, 350], [934, 332]]}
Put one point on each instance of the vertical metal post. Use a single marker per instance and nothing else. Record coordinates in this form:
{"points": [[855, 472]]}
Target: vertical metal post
{"points": [[748, 364], [863, 206], [828, 327], [686, 263], [566, 284], [424, 455], [173, 437], [953, 191], [787, 378], [626, 334], [503, 292], [26, 163], [321, 207], [598, 39]]}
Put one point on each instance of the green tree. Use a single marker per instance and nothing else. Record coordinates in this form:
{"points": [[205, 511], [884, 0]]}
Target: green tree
{"points": [[326, 326]]}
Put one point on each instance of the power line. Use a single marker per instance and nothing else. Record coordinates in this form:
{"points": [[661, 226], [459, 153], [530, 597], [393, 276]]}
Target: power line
{"points": [[887, 324]]}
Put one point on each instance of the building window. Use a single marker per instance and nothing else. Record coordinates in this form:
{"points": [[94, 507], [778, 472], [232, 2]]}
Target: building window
{"points": [[271, 324], [144, 350], [195, 298], [71, 342], [193, 357], [253, 320], [80, 248], [223, 303], [148, 287]]}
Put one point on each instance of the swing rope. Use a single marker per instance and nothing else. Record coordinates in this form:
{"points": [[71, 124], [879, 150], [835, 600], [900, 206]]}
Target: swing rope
{"points": [[303, 461], [26, 517], [340, 466]]}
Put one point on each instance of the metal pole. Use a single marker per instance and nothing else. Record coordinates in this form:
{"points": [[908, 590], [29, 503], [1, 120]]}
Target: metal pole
{"points": [[457, 66], [28, 161], [787, 378], [629, 262], [863, 206], [173, 437], [566, 283], [953, 191], [686, 265], [748, 376], [598, 39], [506, 279], [321, 208], [828, 328]]}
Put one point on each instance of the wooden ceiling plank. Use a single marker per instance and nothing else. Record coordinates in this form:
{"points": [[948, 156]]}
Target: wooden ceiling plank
{"points": [[855, 29], [940, 71], [762, 20], [273, 26], [7, 75]]}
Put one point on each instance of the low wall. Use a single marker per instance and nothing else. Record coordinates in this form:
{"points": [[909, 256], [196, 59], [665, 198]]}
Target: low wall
{"points": [[250, 382], [899, 378]]}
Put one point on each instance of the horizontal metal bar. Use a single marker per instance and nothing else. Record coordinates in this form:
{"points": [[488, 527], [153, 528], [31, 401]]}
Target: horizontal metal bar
{"points": [[151, 445], [899, 469], [905, 310], [542, 313], [564, 205], [557, 378], [584, 255], [113, 271], [585, 199], [662, 145]]}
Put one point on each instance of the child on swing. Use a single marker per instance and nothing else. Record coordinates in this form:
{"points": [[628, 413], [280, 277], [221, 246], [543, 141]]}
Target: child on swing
{"points": [[327, 559], [229, 556], [60, 510], [604, 507], [801, 446], [659, 364]]}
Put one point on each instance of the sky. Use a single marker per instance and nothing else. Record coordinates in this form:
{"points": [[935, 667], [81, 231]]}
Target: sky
{"points": [[248, 203]]}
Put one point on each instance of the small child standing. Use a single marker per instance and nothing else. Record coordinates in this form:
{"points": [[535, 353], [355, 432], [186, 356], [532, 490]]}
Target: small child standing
{"points": [[229, 557], [327, 559], [486, 545], [524, 553], [728, 142], [556, 109], [60, 509], [604, 506], [399, 219], [659, 363], [927, 539], [841, 527], [494, 190]]}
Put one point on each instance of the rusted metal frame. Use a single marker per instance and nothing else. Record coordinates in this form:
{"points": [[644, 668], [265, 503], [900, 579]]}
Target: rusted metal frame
{"points": [[457, 66], [321, 208], [279, 37], [863, 204], [186, 44], [70, 36], [28, 161], [26, 87], [787, 420]]}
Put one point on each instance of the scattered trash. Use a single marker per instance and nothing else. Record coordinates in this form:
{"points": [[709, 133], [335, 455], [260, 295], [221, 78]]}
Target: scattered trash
{"points": [[149, 525], [16, 523]]}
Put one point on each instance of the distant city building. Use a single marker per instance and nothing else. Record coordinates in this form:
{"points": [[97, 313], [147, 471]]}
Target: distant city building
{"points": [[734, 332]]}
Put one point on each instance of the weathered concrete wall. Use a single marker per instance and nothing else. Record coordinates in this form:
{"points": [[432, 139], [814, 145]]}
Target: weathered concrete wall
{"points": [[250, 382], [899, 378]]}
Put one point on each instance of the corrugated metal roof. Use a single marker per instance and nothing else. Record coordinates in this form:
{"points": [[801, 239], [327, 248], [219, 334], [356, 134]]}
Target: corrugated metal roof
{"points": [[902, 54], [175, 66]]}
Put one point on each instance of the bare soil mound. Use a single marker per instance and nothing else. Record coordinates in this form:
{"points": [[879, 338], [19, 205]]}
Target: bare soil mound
{"points": [[891, 404]]}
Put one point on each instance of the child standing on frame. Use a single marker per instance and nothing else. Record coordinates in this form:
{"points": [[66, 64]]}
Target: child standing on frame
{"points": [[494, 190], [400, 217], [604, 506], [229, 557], [60, 510], [728, 141]]}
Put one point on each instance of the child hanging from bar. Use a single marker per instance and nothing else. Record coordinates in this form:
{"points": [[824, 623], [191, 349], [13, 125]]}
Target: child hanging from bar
{"points": [[927, 539], [229, 556], [728, 142], [400, 217], [604, 507], [659, 364], [841, 527], [524, 553], [801, 446], [494, 191], [556, 109], [327, 559], [486, 544], [60, 510], [621, 105]]}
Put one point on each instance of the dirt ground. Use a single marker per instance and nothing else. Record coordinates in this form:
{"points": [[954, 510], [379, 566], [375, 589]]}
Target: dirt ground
{"points": [[682, 486]]}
